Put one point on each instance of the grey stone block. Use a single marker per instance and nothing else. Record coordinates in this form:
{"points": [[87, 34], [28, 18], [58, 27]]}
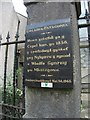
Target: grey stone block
{"points": [[55, 103]]}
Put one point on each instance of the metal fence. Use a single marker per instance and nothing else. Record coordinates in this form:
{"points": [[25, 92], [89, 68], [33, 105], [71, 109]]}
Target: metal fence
{"points": [[13, 98], [85, 81]]}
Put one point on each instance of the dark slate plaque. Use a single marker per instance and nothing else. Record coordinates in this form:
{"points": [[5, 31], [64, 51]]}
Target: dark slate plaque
{"points": [[48, 55]]}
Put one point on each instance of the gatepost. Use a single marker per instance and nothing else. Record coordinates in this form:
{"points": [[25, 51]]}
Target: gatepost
{"points": [[52, 61]]}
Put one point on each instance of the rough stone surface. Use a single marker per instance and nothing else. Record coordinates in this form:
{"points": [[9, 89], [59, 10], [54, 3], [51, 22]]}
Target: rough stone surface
{"points": [[51, 0], [52, 103], [42, 12]]}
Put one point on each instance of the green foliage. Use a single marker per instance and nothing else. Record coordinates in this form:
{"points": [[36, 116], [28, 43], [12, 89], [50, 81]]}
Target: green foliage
{"points": [[10, 89], [9, 94], [18, 72]]}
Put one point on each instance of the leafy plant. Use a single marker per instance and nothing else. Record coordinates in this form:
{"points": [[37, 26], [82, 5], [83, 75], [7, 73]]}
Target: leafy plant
{"points": [[9, 94], [10, 90]]}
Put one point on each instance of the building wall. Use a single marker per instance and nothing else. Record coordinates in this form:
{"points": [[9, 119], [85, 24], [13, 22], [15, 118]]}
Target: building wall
{"points": [[9, 24], [1, 28], [22, 28]]}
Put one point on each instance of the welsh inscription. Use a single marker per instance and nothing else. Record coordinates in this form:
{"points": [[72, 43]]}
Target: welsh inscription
{"points": [[48, 54]]}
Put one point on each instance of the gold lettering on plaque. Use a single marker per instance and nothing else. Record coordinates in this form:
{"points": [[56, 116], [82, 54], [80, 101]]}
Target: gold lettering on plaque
{"points": [[49, 27], [51, 44], [60, 49], [32, 40], [46, 38], [41, 51], [29, 58], [57, 63], [63, 37], [37, 63], [29, 70], [43, 45], [49, 75], [63, 56], [54, 56], [57, 37], [45, 70], [62, 81], [33, 46], [62, 42], [42, 57]]}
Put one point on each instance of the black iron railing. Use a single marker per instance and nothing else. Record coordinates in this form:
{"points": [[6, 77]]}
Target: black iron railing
{"points": [[13, 104]]}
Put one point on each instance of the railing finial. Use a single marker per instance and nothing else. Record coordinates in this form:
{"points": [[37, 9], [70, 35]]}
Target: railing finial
{"points": [[8, 37], [17, 33]]}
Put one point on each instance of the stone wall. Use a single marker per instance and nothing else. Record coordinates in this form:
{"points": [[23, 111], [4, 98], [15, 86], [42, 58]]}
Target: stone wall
{"points": [[55, 103]]}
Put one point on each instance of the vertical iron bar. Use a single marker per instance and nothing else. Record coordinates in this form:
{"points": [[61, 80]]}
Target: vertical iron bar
{"points": [[24, 85], [5, 75], [5, 67], [17, 69], [15, 60], [23, 93]]}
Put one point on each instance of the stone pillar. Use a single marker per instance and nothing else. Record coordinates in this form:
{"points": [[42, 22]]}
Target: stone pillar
{"points": [[55, 103]]}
